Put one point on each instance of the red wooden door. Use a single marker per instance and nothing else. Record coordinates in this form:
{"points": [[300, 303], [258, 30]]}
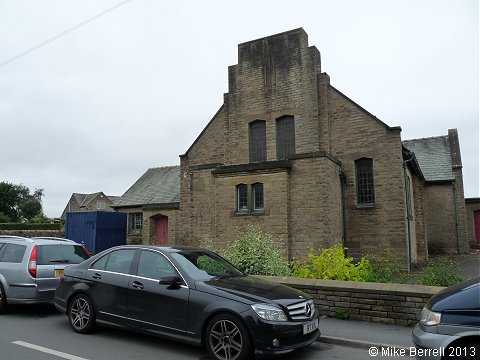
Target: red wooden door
{"points": [[161, 230], [476, 216]]}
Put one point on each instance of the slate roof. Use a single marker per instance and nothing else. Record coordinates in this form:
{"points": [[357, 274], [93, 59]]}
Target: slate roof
{"points": [[434, 157], [155, 187]]}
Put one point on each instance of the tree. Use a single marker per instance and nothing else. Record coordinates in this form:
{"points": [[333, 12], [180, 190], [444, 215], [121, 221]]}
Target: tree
{"points": [[17, 204]]}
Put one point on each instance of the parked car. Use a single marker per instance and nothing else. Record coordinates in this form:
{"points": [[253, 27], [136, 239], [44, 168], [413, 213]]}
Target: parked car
{"points": [[187, 294], [449, 327], [30, 269]]}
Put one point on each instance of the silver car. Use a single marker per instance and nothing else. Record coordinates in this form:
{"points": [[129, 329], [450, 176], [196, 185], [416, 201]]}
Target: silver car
{"points": [[30, 269]]}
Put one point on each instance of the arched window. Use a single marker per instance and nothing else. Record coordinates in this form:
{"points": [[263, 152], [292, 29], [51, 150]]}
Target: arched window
{"points": [[258, 141], [285, 137], [364, 181]]}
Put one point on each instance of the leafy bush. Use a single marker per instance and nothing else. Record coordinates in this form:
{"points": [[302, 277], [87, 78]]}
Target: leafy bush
{"points": [[254, 252], [342, 314], [331, 264], [137, 240], [441, 272], [385, 267]]}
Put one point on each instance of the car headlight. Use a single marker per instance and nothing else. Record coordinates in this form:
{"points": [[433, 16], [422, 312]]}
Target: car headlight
{"points": [[430, 317], [269, 312]]}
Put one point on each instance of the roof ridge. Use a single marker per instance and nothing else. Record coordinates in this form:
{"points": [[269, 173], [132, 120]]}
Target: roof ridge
{"points": [[428, 138], [164, 167]]}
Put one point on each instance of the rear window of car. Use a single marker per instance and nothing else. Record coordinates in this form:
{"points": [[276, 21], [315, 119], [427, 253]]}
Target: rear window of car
{"points": [[60, 254], [12, 253]]}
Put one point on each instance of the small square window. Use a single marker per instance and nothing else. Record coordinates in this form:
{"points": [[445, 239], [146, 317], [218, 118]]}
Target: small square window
{"points": [[135, 223]]}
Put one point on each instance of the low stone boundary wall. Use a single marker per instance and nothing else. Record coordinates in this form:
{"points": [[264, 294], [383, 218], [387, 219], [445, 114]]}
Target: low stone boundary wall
{"points": [[375, 302]]}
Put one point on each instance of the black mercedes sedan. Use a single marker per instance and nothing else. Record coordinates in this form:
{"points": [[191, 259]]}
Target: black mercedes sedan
{"points": [[187, 294]]}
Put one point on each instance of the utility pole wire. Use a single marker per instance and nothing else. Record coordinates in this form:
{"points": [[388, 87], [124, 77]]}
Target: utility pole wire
{"points": [[16, 57]]}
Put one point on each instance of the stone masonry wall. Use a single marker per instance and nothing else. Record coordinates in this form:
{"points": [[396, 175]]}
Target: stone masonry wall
{"points": [[316, 218], [442, 230], [374, 302], [354, 134]]}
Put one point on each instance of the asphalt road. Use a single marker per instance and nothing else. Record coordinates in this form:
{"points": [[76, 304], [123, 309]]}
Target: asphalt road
{"points": [[42, 333]]}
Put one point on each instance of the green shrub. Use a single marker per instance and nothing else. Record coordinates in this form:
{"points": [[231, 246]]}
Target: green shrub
{"points": [[254, 252], [384, 267], [137, 240], [331, 264], [342, 314], [441, 272]]}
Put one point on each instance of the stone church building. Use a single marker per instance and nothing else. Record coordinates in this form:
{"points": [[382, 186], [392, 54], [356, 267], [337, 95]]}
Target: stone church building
{"points": [[289, 152]]}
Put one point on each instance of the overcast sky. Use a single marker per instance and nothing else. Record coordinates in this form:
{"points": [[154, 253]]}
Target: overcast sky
{"points": [[95, 108]]}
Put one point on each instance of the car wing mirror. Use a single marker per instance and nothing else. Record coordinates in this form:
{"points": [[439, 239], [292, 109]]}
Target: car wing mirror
{"points": [[169, 280]]}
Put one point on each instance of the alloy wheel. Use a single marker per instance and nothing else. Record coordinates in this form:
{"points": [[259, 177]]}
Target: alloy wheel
{"points": [[80, 313], [225, 340]]}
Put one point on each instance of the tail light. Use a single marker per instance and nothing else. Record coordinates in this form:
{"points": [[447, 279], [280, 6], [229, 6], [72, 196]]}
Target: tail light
{"points": [[32, 263], [86, 251]]}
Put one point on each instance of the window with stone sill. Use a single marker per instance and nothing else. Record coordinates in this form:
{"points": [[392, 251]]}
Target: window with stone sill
{"points": [[250, 199]]}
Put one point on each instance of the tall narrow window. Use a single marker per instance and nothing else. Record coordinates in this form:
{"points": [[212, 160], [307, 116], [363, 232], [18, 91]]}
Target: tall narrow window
{"points": [[242, 197], [365, 183], [285, 137], [258, 141], [258, 197]]}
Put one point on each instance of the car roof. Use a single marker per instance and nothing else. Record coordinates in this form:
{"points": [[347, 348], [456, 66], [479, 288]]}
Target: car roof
{"points": [[37, 240], [164, 248]]}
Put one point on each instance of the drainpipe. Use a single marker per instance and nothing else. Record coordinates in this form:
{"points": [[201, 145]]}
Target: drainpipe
{"points": [[409, 237], [457, 227]]}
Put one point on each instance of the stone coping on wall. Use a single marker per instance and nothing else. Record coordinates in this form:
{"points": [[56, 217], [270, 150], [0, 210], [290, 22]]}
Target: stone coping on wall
{"points": [[357, 286]]}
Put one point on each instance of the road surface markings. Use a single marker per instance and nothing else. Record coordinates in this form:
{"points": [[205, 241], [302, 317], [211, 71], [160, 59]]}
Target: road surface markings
{"points": [[48, 351]]}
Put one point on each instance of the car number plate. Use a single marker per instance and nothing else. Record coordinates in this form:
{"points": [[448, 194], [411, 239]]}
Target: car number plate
{"points": [[58, 272], [311, 326]]}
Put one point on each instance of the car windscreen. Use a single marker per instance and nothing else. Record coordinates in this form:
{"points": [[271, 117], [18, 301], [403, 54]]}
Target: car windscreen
{"points": [[60, 254], [204, 265]]}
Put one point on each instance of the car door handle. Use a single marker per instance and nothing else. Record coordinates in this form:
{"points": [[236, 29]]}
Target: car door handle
{"points": [[137, 285], [97, 276]]}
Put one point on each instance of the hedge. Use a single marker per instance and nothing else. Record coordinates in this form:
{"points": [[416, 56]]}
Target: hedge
{"points": [[28, 226]]}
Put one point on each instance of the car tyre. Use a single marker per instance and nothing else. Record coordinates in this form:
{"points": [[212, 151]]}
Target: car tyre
{"points": [[81, 314], [227, 338], [3, 300]]}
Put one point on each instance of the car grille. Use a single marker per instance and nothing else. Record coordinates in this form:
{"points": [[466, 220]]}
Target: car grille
{"points": [[303, 310]]}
